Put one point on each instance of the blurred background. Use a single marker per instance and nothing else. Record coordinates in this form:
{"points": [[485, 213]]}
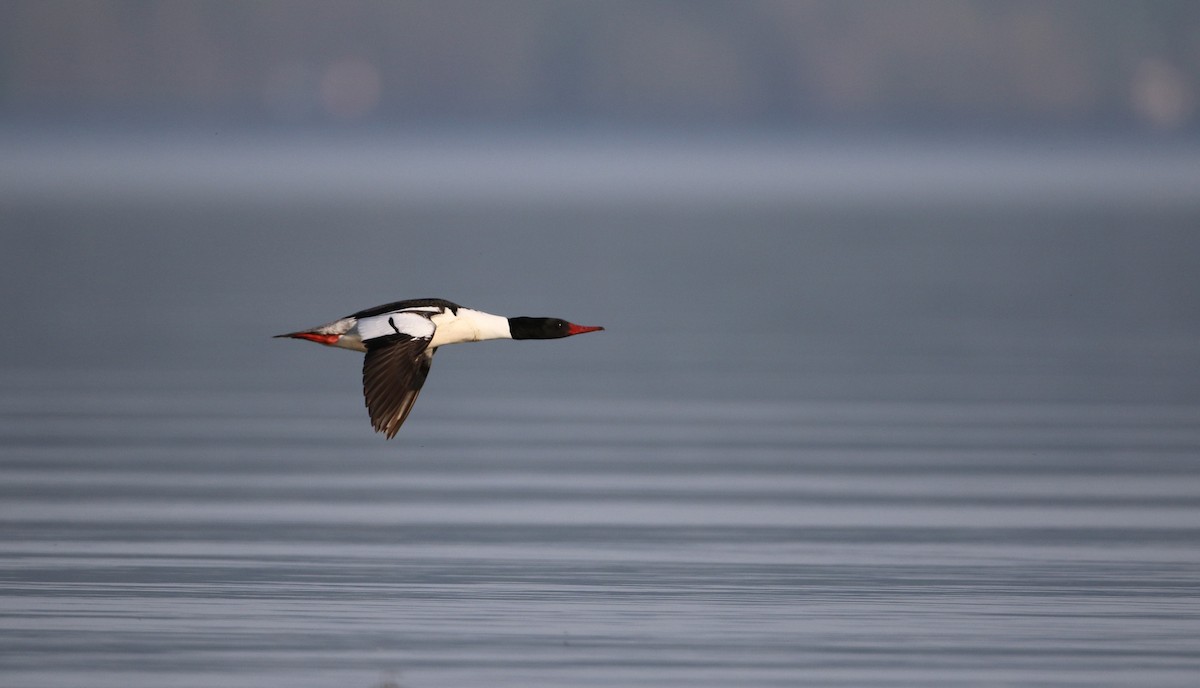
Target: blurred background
{"points": [[872, 184], [900, 383], [1113, 67]]}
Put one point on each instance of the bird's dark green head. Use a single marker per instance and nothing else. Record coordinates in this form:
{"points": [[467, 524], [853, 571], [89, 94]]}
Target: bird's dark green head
{"points": [[546, 328]]}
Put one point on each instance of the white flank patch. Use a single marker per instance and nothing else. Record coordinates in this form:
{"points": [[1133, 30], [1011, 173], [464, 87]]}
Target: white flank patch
{"points": [[415, 325]]}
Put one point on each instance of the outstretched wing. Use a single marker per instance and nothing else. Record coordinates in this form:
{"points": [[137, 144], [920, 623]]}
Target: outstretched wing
{"points": [[397, 362], [393, 373]]}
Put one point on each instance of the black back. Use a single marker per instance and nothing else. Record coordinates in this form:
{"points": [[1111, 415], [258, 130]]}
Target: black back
{"points": [[411, 303]]}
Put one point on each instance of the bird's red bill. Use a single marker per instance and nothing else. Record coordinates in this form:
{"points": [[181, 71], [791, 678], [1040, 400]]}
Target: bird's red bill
{"points": [[572, 328]]}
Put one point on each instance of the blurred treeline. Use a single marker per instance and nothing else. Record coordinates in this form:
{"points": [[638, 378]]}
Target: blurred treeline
{"points": [[1090, 63]]}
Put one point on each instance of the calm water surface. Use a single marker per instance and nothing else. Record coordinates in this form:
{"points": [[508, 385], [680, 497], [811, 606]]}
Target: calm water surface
{"points": [[964, 452]]}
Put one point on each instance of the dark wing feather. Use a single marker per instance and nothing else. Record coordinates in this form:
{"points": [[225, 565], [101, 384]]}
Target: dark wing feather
{"points": [[393, 372]]}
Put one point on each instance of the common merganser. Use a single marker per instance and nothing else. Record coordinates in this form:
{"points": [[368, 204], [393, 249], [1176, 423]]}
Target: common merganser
{"points": [[401, 338]]}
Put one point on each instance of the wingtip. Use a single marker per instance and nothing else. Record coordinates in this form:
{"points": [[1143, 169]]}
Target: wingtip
{"points": [[383, 426], [388, 430]]}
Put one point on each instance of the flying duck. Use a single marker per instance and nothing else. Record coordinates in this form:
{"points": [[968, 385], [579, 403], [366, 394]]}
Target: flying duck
{"points": [[400, 339]]}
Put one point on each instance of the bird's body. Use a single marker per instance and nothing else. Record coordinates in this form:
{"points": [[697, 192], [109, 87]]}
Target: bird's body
{"points": [[400, 338]]}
